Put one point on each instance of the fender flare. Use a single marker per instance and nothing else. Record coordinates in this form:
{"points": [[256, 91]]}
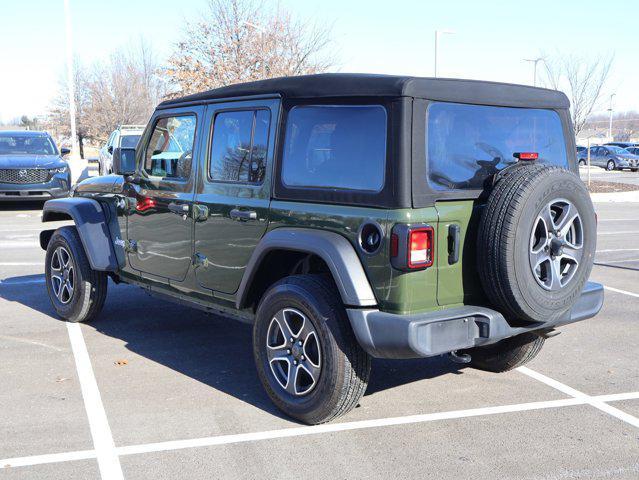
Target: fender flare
{"points": [[92, 225], [334, 249]]}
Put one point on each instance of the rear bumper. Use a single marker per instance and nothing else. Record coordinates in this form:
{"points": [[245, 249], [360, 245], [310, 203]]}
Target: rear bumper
{"points": [[387, 335]]}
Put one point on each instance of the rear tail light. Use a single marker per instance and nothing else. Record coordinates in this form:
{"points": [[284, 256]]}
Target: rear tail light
{"points": [[526, 155], [412, 247], [420, 250]]}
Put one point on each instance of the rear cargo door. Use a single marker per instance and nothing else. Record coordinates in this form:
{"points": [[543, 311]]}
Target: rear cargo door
{"points": [[457, 279]]}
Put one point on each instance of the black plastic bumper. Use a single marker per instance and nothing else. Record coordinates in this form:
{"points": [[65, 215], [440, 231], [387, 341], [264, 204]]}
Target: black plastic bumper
{"points": [[387, 335]]}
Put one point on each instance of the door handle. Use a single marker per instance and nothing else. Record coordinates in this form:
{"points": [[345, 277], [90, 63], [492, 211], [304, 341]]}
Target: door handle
{"points": [[237, 214], [179, 208], [453, 243]]}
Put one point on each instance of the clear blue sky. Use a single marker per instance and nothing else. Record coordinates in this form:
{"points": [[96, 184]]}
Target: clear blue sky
{"points": [[491, 39]]}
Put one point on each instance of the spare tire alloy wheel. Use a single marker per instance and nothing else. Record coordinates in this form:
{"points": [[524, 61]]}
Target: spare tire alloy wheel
{"points": [[62, 275], [556, 244], [536, 243], [293, 352]]}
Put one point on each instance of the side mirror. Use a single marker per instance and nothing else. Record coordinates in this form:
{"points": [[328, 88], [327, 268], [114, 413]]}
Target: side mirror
{"points": [[124, 161], [110, 149], [65, 151]]}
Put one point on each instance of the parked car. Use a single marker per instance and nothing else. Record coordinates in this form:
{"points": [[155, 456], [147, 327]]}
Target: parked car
{"points": [[611, 158], [125, 136], [347, 217], [622, 144], [32, 167]]}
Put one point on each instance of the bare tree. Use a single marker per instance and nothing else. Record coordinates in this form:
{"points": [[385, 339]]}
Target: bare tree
{"points": [[582, 79], [123, 90], [58, 118], [242, 40]]}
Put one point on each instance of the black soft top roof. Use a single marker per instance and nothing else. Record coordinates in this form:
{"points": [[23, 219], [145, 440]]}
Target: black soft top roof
{"points": [[333, 85]]}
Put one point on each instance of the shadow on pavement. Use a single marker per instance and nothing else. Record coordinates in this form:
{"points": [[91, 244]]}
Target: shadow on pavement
{"points": [[620, 267], [21, 205], [211, 349]]}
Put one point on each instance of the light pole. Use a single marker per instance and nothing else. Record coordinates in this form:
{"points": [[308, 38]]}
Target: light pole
{"points": [[70, 76], [535, 61], [610, 122], [437, 34]]}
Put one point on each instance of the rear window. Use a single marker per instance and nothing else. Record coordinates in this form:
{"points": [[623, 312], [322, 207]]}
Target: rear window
{"points": [[335, 147], [466, 144], [129, 141]]}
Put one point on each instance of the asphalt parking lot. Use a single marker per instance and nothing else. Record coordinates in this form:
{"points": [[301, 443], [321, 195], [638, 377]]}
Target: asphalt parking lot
{"points": [[152, 390]]}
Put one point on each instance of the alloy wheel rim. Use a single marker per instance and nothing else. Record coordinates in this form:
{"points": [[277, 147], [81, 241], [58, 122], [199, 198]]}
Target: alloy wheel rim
{"points": [[556, 245], [293, 352], [62, 275]]}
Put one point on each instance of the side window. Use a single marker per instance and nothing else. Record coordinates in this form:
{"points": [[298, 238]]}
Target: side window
{"points": [[110, 140], [335, 147], [169, 153], [239, 146]]}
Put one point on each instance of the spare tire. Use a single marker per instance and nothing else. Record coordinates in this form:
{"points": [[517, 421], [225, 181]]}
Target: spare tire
{"points": [[537, 239]]}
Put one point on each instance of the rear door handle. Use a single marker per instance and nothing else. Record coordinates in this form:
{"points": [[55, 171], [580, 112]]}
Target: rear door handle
{"points": [[453, 243], [238, 214]]}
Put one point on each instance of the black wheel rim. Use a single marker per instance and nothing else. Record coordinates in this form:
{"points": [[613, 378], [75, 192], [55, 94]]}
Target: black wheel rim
{"points": [[293, 352], [62, 275], [556, 244]]}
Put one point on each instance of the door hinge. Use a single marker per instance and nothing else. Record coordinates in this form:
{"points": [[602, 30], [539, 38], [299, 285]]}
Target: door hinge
{"points": [[130, 246], [200, 260], [200, 212]]}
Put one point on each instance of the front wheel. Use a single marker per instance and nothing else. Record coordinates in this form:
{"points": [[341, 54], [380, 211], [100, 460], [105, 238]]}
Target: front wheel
{"points": [[507, 354], [77, 292], [306, 354], [610, 166]]}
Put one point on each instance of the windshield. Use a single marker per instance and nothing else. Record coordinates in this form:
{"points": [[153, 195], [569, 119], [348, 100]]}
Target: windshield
{"points": [[129, 141], [614, 149], [27, 145], [466, 144]]}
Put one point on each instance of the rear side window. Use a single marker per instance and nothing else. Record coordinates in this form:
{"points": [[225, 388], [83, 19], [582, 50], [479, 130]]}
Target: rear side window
{"points": [[335, 147], [239, 146], [466, 144]]}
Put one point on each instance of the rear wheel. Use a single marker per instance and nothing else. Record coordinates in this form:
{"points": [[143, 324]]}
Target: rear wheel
{"points": [[582, 163], [610, 165], [507, 354], [306, 354], [77, 292]]}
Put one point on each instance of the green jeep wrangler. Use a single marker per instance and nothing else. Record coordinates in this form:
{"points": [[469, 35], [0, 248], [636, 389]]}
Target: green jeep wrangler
{"points": [[346, 217]]}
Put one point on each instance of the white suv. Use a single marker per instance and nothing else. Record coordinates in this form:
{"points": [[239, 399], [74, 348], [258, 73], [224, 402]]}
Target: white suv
{"points": [[126, 136]]}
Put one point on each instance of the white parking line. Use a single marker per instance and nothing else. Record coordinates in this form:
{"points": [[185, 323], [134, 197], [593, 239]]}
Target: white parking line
{"points": [[108, 460], [20, 264], [318, 429], [618, 250], [625, 292], [50, 458], [626, 232], [9, 282], [604, 407]]}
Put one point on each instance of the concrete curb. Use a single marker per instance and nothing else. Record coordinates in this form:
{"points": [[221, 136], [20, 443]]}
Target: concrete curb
{"points": [[616, 197]]}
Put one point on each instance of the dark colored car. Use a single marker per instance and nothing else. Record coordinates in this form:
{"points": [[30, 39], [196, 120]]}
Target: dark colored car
{"points": [[610, 157], [346, 217], [622, 144], [31, 167]]}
